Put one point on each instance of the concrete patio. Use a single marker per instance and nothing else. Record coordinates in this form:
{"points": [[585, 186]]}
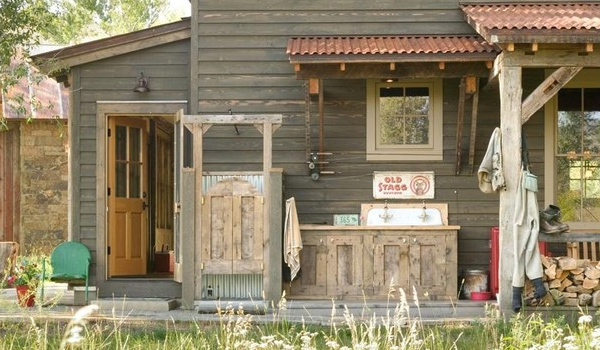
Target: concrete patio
{"points": [[60, 303]]}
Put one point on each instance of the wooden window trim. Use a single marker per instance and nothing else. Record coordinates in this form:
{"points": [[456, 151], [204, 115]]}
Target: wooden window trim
{"points": [[589, 78], [434, 151]]}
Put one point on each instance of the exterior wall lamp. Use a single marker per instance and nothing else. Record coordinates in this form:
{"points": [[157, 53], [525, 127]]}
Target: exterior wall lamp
{"points": [[142, 85]]}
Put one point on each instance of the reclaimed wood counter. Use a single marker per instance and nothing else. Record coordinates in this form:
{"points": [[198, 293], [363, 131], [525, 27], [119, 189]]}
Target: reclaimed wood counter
{"points": [[375, 261]]}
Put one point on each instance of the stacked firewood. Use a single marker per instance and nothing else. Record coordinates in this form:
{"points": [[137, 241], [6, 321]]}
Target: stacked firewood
{"points": [[569, 281]]}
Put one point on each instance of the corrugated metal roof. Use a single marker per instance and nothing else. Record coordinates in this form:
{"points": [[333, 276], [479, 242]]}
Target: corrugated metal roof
{"points": [[386, 45], [535, 16], [45, 99]]}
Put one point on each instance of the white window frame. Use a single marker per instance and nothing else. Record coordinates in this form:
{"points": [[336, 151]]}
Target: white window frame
{"points": [[432, 151], [587, 78]]}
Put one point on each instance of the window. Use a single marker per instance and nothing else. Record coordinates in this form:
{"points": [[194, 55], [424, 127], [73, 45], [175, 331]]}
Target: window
{"points": [[404, 120], [577, 154]]}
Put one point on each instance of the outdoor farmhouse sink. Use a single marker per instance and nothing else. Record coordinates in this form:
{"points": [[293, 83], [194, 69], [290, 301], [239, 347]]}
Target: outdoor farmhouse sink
{"points": [[403, 214]]}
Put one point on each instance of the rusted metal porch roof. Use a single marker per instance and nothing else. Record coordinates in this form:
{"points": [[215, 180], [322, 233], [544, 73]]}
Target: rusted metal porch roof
{"points": [[365, 49], [571, 22]]}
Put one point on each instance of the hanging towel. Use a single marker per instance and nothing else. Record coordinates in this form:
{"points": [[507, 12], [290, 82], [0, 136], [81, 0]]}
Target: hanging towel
{"points": [[291, 238], [491, 174]]}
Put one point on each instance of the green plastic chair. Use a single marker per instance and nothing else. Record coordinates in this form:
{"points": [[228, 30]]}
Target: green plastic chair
{"points": [[70, 263]]}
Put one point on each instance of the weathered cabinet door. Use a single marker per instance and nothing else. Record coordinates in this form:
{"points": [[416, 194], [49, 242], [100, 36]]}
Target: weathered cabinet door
{"points": [[232, 229], [391, 264], [331, 266], [345, 265], [312, 280], [429, 264]]}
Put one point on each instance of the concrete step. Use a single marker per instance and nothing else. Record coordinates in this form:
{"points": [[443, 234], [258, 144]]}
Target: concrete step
{"points": [[125, 305]]}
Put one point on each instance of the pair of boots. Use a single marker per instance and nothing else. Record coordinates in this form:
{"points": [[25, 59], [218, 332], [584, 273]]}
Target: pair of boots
{"points": [[539, 292], [550, 221]]}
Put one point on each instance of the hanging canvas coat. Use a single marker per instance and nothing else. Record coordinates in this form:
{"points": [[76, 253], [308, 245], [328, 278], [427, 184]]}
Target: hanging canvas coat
{"points": [[490, 174]]}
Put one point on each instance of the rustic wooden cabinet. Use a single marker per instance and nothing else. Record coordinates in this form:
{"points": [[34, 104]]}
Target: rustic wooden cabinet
{"points": [[374, 262]]}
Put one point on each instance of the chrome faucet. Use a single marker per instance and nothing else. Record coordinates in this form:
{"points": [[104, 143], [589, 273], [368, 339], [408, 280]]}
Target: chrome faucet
{"points": [[423, 216], [386, 215]]}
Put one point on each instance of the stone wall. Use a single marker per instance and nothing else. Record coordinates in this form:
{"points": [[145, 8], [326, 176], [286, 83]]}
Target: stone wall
{"points": [[44, 185]]}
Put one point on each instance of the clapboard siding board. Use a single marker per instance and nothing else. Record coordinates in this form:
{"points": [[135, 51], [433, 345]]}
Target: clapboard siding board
{"points": [[332, 16]]}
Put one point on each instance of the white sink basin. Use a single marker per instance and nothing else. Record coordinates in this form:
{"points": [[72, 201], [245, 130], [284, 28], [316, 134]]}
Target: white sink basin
{"points": [[434, 214]]}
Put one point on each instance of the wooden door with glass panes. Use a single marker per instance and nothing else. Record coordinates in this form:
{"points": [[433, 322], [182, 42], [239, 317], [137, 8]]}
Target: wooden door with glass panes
{"points": [[127, 192]]}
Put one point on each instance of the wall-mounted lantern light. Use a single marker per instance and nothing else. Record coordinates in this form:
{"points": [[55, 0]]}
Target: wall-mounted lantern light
{"points": [[142, 85]]}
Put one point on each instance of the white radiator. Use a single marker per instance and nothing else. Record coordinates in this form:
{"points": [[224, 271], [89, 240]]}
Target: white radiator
{"points": [[232, 286]]}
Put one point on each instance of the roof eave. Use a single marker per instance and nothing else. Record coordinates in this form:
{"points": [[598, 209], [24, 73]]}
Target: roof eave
{"points": [[117, 45], [548, 36], [393, 58]]}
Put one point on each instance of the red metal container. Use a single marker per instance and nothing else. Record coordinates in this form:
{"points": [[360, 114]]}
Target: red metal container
{"points": [[495, 258]]}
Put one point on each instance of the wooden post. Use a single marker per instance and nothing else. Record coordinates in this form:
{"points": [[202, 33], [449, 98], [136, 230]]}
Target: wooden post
{"points": [[459, 125], [274, 259], [198, 194], [188, 238], [510, 125]]}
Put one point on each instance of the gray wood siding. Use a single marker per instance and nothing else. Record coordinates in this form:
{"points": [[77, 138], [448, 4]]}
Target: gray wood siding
{"points": [[167, 69], [242, 66]]}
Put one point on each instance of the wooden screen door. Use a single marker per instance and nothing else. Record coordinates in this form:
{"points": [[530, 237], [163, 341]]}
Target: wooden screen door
{"points": [[127, 192]]}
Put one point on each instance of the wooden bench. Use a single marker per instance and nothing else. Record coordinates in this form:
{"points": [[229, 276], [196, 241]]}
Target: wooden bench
{"points": [[580, 245]]}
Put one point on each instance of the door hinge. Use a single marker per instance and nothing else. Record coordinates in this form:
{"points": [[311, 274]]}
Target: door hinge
{"points": [[202, 266], [262, 266], [108, 191], [108, 132], [202, 202], [108, 250], [177, 208]]}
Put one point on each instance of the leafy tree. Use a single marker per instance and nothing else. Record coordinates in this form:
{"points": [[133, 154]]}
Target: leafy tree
{"points": [[76, 20], [24, 23], [19, 25]]}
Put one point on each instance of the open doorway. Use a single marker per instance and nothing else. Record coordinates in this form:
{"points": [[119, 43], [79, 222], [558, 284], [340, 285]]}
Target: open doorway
{"points": [[140, 165]]}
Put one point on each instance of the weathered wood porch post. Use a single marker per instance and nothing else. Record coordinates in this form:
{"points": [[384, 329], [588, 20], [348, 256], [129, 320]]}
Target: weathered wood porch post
{"points": [[510, 125]]}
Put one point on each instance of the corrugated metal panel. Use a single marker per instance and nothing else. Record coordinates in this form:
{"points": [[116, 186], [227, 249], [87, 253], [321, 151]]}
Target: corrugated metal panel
{"points": [[535, 16], [238, 286], [379, 45], [45, 99], [209, 181]]}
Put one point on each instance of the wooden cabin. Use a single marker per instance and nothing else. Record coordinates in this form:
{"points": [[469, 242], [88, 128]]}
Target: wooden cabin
{"points": [[187, 139]]}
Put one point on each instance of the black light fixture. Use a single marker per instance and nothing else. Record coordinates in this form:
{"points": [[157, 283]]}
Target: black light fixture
{"points": [[142, 85]]}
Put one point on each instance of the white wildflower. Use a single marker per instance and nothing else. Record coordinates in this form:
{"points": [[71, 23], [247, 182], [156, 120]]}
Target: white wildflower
{"points": [[570, 338], [332, 344], [85, 312], [585, 319]]}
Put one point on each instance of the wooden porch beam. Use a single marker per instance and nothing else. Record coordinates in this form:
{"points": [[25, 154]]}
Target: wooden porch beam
{"points": [[473, 135], [546, 90], [232, 118], [459, 125], [415, 70]]}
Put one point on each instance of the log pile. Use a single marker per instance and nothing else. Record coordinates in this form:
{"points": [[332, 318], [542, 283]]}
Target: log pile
{"points": [[570, 282]]}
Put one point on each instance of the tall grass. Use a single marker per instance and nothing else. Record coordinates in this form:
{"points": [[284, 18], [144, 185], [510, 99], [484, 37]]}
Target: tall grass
{"points": [[236, 329]]}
